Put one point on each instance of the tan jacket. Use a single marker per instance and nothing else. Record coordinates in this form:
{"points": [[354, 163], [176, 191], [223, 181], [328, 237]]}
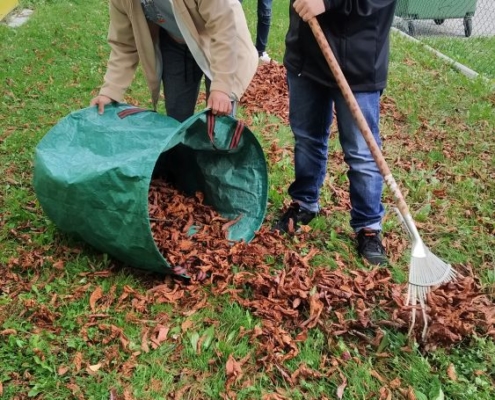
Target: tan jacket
{"points": [[218, 29]]}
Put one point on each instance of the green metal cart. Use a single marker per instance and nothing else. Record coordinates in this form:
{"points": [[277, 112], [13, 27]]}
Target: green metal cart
{"points": [[438, 11]]}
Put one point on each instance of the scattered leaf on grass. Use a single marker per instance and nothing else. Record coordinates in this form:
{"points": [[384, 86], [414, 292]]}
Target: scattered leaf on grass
{"points": [[94, 297]]}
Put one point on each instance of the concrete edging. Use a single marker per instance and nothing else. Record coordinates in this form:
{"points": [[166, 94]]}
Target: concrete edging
{"points": [[458, 66]]}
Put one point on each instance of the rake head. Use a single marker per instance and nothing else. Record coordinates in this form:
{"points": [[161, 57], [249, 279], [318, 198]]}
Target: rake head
{"points": [[426, 271]]}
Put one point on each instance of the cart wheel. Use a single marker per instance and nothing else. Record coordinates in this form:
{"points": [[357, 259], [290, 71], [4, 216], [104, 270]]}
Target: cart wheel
{"points": [[439, 21], [411, 30], [468, 26]]}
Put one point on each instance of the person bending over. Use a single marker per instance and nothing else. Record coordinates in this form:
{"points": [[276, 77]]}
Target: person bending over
{"points": [[178, 42]]}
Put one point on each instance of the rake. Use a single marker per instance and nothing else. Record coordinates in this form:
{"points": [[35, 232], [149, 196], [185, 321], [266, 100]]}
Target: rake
{"points": [[426, 269]]}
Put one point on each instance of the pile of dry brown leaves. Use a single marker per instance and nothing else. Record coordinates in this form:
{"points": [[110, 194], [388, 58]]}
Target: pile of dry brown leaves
{"points": [[299, 296], [268, 92]]}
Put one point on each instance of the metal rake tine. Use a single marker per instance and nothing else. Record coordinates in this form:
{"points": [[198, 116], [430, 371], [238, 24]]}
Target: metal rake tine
{"points": [[413, 294]]}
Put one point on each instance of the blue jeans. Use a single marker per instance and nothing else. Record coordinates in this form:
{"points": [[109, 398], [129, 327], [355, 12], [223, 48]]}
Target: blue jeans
{"points": [[310, 114], [263, 24]]}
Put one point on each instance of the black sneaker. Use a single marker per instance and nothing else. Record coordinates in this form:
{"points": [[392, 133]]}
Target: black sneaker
{"points": [[370, 247], [292, 218]]}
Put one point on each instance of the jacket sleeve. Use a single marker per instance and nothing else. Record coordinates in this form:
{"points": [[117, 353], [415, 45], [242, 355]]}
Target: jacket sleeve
{"points": [[361, 7], [220, 27], [124, 57]]}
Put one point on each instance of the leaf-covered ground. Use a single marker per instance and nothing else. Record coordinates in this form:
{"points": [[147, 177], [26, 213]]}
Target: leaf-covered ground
{"points": [[276, 278], [280, 318]]}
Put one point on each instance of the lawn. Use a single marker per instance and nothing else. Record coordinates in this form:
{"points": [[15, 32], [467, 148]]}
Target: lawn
{"points": [[475, 52], [78, 324]]}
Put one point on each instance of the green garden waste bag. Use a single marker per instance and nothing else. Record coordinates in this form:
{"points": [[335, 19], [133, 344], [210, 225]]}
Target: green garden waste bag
{"points": [[92, 176]]}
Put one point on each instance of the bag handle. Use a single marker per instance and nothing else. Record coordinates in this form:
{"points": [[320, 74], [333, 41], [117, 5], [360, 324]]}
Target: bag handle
{"points": [[236, 137], [130, 111]]}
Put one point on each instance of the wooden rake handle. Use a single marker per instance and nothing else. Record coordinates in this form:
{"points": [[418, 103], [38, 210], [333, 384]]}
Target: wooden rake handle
{"points": [[358, 115]]}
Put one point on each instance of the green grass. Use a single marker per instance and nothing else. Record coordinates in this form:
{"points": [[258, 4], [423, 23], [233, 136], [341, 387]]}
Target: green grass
{"points": [[438, 141], [474, 52]]}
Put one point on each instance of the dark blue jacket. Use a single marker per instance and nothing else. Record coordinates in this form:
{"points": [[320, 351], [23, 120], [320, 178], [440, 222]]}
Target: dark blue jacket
{"points": [[358, 33]]}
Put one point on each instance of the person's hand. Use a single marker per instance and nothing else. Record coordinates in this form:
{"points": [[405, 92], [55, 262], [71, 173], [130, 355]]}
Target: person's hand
{"points": [[308, 9], [219, 102], [100, 101]]}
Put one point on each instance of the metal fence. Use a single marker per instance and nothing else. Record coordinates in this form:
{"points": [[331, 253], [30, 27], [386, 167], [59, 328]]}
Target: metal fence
{"points": [[463, 30]]}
